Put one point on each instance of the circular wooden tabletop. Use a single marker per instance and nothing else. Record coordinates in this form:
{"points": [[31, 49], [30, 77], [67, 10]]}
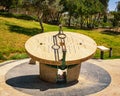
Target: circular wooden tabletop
{"points": [[79, 48]]}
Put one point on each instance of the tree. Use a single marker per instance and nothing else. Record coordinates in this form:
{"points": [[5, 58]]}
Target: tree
{"points": [[105, 4], [85, 12], [17, 3], [116, 20], [38, 7], [26, 4], [53, 13], [118, 6], [44, 10], [80, 11], [104, 12], [89, 10], [41, 7], [7, 4], [70, 7]]}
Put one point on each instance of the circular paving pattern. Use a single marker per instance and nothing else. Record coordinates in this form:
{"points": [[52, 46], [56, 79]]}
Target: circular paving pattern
{"points": [[25, 78]]}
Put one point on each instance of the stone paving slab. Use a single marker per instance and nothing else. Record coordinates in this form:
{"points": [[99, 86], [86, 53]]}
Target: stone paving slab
{"points": [[111, 66]]}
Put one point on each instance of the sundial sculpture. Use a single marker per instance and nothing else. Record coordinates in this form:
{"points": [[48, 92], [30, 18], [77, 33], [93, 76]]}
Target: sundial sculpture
{"points": [[60, 52], [62, 45], [61, 36]]}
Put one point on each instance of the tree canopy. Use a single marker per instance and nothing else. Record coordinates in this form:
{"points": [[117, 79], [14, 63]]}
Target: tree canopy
{"points": [[118, 6], [83, 13]]}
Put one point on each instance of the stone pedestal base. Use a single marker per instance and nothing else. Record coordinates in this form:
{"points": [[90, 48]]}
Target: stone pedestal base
{"points": [[73, 73], [49, 74]]}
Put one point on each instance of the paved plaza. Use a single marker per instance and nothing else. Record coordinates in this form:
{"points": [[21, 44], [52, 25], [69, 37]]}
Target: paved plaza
{"points": [[97, 78]]}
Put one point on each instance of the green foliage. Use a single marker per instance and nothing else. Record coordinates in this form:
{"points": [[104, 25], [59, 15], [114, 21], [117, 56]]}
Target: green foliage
{"points": [[118, 6], [105, 19], [114, 22], [50, 11], [105, 4], [116, 19], [117, 15], [17, 3], [19, 56], [106, 24], [87, 11], [2, 57], [92, 7], [18, 16], [8, 4]]}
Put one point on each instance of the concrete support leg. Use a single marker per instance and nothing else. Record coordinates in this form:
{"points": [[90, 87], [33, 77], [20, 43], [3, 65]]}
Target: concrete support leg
{"points": [[48, 73], [73, 73]]}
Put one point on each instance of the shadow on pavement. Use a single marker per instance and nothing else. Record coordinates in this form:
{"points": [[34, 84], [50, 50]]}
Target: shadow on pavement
{"points": [[96, 79], [34, 82]]}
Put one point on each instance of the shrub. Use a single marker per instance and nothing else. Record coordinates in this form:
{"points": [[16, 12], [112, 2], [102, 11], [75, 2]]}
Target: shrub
{"points": [[2, 57]]}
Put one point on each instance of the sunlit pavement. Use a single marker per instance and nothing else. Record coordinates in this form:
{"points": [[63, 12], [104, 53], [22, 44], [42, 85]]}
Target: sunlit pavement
{"points": [[112, 67]]}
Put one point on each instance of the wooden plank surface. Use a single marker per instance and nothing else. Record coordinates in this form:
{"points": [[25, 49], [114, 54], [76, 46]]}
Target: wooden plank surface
{"points": [[79, 48]]}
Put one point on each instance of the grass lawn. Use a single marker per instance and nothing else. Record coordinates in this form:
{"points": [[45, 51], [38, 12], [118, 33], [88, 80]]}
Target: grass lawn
{"points": [[14, 33]]}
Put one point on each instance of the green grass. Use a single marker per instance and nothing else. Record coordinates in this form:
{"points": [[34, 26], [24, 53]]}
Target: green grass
{"points": [[14, 32]]}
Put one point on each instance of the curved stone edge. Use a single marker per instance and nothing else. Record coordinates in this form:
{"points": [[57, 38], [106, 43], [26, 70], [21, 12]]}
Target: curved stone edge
{"points": [[6, 90], [112, 67], [7, 62]]}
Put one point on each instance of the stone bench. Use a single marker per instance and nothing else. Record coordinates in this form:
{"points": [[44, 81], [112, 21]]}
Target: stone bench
{"points": [[102, 49]]}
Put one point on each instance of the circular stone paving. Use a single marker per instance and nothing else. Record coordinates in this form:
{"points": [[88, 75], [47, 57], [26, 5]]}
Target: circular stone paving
{"points": [[25, 78]]}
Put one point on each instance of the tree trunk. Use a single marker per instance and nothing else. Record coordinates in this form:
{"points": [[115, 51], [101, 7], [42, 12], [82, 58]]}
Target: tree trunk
{"points": [[69, 21], [81, 21], [41, 25], [98, 19], [40, 22]]}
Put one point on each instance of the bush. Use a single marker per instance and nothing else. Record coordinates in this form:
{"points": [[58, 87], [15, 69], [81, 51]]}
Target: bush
{"points": [[19, 56], [2, 57], [115, 21], [6, 14], [25, 17], [105, 19], [107, 24], [18, 16]]}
